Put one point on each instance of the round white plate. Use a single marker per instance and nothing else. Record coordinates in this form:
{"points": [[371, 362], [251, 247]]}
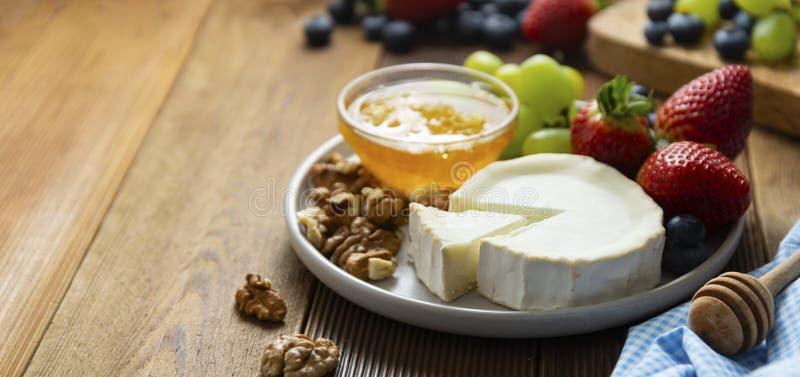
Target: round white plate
{"points": [[404, 298]]}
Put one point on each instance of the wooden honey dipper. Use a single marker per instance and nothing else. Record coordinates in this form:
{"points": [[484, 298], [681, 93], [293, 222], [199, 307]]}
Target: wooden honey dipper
{"points": [[733, 312]]}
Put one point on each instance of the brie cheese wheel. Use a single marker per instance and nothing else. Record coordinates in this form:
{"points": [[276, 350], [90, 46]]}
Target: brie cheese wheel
{"points": [[596, 235], [445, 245]]}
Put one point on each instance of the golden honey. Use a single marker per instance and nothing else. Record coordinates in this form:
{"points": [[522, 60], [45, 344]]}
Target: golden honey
{"points": [[415, 133]]}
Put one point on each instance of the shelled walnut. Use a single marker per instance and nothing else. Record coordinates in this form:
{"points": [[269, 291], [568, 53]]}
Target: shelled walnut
{"points": [[257, 298], [353, 220], [357, 263], [363, 242], [383, 207], [344, 206], [339, 173], [298, 356]]}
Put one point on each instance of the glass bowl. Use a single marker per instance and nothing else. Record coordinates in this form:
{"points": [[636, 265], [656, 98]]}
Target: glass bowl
{"points": [[404, 163]]}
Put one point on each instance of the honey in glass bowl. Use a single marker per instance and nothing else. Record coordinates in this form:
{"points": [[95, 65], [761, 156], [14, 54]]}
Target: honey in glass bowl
{"points": [[415, 125]]}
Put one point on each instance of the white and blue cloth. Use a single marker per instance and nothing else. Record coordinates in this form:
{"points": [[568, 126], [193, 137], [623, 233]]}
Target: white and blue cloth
{"points": [[664, 346]]}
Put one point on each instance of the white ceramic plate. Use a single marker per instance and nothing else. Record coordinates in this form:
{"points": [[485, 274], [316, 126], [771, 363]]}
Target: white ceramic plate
{"points": [[404, 298]]}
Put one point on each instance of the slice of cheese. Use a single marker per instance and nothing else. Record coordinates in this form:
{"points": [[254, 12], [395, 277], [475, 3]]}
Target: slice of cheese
{"points": [[597, 235], [445, 245]]}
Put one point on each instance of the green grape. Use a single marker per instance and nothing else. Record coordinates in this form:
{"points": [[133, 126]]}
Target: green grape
{"points": [[575, 80], [761, 8], [483, 61], [510, 74], [546, 89], [774, 36], [796, 13], [708, 10], [548, 140], [527, 123]]}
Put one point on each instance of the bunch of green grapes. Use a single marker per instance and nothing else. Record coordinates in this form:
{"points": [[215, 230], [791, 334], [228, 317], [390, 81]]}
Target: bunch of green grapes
{"points": [[546, 91], [774, 34]]}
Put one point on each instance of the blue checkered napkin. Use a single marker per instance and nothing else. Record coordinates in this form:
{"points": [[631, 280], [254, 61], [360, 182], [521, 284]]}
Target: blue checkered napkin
{"points": [[664, 346]]}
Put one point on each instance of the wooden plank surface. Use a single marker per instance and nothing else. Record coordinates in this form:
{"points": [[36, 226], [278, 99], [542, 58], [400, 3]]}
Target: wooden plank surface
{"points": [[81, 83], [617, 45], [775, 176], [201, 206], [154, 295]]}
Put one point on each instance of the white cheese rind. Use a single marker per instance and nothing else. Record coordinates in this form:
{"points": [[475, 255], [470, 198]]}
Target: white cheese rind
{"points": [[598, 236], [522, 283], [444, 246]]}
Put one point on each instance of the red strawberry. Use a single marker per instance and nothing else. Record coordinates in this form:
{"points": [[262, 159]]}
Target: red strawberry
{"points": [[613, 130], [558, 24], [716, 108], [688, 177]]}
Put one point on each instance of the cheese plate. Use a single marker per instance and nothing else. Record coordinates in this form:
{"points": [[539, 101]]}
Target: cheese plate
{"points": [[404, 298]]}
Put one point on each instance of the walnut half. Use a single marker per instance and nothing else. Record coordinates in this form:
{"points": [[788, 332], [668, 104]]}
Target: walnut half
{"points": [[297, 356], [339, 173], [259, 299], [357, 263]]}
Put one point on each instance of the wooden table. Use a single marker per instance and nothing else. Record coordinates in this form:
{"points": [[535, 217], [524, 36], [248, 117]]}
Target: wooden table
{"points": [[136, 139]]}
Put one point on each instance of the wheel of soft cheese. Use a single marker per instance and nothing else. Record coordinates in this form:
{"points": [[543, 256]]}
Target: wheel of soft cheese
{"points": [[596, 235]]}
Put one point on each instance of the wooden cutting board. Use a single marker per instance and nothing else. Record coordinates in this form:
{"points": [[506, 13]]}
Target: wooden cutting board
{"points": [[617, 46]]}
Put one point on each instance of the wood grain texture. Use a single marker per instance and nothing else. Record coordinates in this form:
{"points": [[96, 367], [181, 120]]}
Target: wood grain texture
{"points": [[200, 207], [81, 83], [617, 45], [752, 251], [774, 163], [372, 345], [155, 293]]}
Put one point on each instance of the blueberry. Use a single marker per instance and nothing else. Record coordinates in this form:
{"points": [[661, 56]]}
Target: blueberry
{"points": [[659, 10], [744, 21], [499, 31], [731, 43], [641, 90], [681, 259], [685, 230], [651, 119], [318, 30], [727, 9], [655, 32], [686, 29], [490, 8], [372, 26], [511, 7], [398, 36], [342, 11], [470, 25]]}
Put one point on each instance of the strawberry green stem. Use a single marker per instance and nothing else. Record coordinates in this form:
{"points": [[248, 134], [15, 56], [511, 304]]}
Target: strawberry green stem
{"points": [[616, 102]]}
